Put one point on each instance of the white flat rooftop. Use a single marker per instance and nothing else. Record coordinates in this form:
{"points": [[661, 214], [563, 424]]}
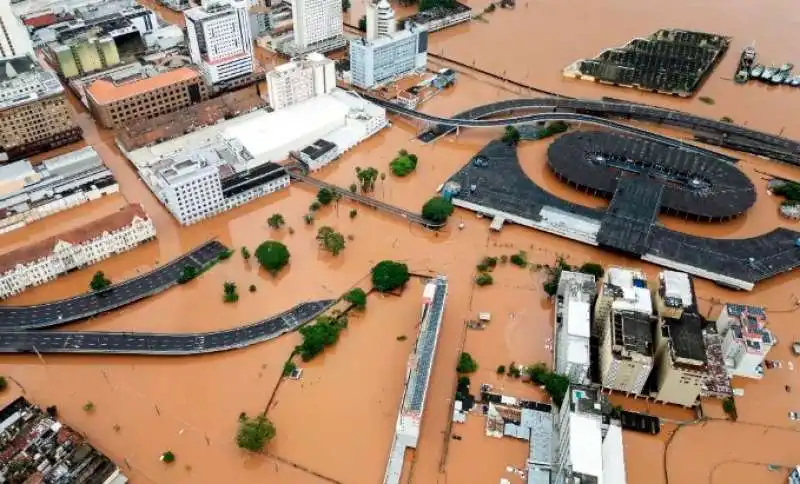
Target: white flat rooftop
{"points": [[272, 130], [585, 445], [578, 318]]}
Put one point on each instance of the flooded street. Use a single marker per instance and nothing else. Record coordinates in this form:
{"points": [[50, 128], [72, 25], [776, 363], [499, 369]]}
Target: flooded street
{"points": [[338, 420]]}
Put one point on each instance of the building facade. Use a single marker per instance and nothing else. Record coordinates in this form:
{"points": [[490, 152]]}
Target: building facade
{"points": [[14, 38], [316, 21], [43, 261], [29, 193], [34, 113], [625, 322], [114, 105], [387, 57], [681, 362], [220, 41], [587, 445], [300, 80], [746, 341], [573, 325], [212, 179]]}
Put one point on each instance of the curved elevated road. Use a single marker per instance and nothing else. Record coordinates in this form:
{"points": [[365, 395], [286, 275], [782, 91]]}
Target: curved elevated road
{"points": [[93, 303], [739, 137], [161, 343], [537, 118], [416, 218]]}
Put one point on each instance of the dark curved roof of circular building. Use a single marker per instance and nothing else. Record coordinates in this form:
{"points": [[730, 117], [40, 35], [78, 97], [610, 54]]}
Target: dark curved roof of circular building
{"points": [[696, 185]]}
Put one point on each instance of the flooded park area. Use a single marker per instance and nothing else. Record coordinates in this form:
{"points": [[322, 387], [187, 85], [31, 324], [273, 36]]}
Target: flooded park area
{"points": [[335, 424]]}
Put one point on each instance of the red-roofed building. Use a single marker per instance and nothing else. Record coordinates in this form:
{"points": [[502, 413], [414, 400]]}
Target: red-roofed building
{"points": [[88, 244], [114, 105]]}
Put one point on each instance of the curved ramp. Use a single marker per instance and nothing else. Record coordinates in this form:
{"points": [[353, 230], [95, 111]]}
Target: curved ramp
{"points": [[91, 304], [118, 343]]}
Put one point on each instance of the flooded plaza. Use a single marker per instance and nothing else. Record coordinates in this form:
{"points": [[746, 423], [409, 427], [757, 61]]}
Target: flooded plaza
{"points": [[336, 423]]}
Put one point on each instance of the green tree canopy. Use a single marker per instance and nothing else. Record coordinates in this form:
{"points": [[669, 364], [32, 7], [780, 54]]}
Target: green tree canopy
{"points": [[555, 385], [388, 275], [330, 240], [168, 457], [466, 364], [189, 273], [325, 196], [272, 255], [254, 433], [367, 177], [345, 5], [511, 135], [99, 281], [437, 210], [403, 164], [324, 332], [357, 297], [362, 23], [592, 268], [276, 221]]}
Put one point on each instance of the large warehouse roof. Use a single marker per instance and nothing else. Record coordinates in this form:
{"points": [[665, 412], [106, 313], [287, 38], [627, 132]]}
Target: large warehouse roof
{"points": [[270, 131]]}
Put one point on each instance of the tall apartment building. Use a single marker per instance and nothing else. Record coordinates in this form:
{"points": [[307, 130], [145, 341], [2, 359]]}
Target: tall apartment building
{"points": [[680, 348], [300, 80], [14, 38], [82, 246], [573, 325], [625, 322], [220, 41], [746, 341], [116, 104], [34, 113], [381, 21], [316, 23], [588, 445], [385, 54]]}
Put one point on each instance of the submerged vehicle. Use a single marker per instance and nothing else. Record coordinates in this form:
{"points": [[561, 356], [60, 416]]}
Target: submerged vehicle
{"points": [[796, 81], [779, 77], [756, 71], [786, 67], [768, 73]]}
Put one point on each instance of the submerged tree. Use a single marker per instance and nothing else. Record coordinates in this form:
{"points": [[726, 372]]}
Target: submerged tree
{"points": [[99, 281]]}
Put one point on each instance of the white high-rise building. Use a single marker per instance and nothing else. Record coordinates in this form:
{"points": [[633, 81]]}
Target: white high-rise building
{"points": [[219, 39], [14, 38], [573, 325], [380, 20], [316, 21], [588, 448], [300, 80]]}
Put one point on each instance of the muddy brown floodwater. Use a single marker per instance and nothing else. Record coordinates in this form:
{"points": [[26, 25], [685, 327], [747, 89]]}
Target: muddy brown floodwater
{"points": [[338, 420]]}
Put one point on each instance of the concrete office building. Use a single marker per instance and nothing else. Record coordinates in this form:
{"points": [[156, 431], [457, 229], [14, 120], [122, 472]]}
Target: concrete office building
{"points": [[746, 341], [34, 114], [208, 180], [14, 38], [385, 54], [29, 193], [300, 80], [244, 146], [115, 104], [418, 373], [220, 41], [587, 445], [82, 246], [573, 325], [625, 322], [103, 38], [318, 25], [680, 350]]}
